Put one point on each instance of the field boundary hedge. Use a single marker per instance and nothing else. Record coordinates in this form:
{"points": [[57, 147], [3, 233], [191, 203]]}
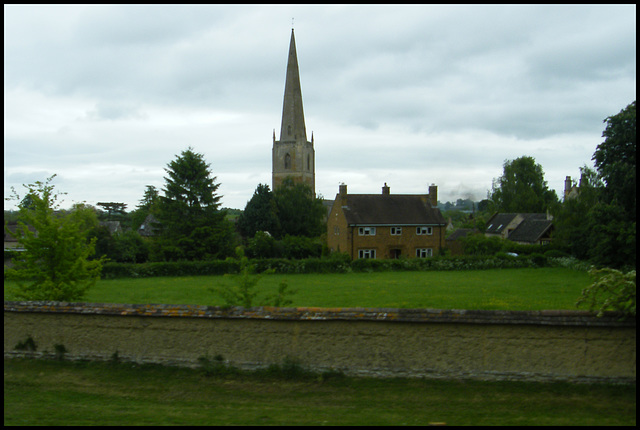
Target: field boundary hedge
{"points": [[339, 264]]}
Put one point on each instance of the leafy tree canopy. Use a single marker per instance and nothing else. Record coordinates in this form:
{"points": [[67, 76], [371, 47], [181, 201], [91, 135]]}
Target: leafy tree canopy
{"points": [[299, 211], [522, 188], [615, 160], [55, 264]]}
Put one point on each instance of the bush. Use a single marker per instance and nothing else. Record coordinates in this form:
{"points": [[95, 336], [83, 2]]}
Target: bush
{"points": [[611, 290]]}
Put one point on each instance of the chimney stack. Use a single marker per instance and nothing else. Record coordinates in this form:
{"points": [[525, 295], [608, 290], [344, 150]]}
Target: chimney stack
{"points": [[433, 195], [567, 185], [386, 190], [342, 193]]}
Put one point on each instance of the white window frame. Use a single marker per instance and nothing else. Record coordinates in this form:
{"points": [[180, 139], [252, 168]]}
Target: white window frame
{"points": [[425, 230], [367, 253], [366, 231], [424, 252], [396, 231]]}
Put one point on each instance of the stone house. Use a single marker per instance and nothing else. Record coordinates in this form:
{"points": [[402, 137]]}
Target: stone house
{"points": [[385, 225], [524, 228]]}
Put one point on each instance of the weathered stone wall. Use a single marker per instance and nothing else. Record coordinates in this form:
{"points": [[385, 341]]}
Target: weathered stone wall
{"points": [[536, 345]]}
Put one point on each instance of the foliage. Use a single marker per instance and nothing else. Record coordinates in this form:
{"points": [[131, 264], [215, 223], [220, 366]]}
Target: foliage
{"points": [[243, 292], [522, 188], [478, 244], [615, 160], [611, 290], [145, 207], [169, 268], [192, 226], [55, 265], [600, 223], [300, 213], [113, 208], [260, 214], [571, 218]]}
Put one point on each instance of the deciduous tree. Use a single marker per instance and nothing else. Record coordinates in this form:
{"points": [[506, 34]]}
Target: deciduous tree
{"points": [[55, 264], [522, 188]]}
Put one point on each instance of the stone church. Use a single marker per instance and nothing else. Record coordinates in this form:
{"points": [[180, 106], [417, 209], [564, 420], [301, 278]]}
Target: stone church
{"points": [[293, 155]]}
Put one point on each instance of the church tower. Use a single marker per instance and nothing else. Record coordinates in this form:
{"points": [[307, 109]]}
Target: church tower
{"points": [[293, 155]]}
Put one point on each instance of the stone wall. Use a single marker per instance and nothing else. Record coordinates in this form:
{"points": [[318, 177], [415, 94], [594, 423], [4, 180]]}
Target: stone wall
{"points": [[513, 345]]}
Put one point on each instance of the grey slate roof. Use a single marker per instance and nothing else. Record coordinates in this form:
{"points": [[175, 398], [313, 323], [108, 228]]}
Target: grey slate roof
{"points": [[462, 232], [530, 230], [499, 221], [397, 209]]}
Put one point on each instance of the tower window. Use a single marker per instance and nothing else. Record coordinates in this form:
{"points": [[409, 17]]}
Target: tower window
{"points": [[308, 162], [287, 161]]}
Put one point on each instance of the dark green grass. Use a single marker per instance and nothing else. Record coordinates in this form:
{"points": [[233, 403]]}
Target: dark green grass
{"points": [[507, 289], [38, 392]]}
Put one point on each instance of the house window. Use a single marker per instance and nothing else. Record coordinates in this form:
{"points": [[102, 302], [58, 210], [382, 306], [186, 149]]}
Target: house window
{"points": [[367, 231], [396, 231], [424, 252], [336, 230], [366, 253], [424, 230]]}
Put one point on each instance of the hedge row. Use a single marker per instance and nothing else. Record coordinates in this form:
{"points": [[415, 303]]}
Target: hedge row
{"points": [[334, 265]]}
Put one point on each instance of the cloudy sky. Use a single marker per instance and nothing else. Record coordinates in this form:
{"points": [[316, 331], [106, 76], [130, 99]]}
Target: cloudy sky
{"points": [[106, 96]]}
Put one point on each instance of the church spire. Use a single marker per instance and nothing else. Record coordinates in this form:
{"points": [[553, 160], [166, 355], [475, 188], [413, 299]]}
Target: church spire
{"points": [[293, 128]]}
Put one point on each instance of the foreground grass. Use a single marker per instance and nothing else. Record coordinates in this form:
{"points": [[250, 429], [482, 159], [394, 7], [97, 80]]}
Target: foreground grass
{"points": [[507, 289], [38, 392]]}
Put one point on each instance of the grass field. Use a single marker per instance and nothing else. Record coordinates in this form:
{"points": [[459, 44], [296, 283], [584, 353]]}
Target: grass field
{"points": [[506, 289], [38, 392]]}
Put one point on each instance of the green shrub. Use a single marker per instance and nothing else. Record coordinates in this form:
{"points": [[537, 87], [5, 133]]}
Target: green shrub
{"points": [[611, 290]]}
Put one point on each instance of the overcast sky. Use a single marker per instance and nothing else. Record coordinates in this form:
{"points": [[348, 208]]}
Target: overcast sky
{"points": [[106, 96]]}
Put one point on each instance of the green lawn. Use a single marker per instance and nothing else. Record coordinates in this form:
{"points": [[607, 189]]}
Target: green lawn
{"points": [[39, 392], [506, 289]]}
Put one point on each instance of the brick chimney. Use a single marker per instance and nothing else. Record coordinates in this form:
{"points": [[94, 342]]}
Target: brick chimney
{"points": [[342, 194], [386, 190], [433, 195]]}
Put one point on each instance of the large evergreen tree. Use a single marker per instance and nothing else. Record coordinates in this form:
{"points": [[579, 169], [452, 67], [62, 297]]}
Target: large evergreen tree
{"points": [[192, 225], [260, 214]]}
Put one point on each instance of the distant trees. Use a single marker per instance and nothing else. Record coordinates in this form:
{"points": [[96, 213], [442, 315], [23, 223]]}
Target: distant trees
{"points": [[56, 262], [522, 188]]}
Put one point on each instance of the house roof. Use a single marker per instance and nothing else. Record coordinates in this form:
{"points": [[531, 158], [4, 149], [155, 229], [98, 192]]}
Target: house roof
{"points": [[462, 232], [397, 209], [500, 221], [530, 230]]}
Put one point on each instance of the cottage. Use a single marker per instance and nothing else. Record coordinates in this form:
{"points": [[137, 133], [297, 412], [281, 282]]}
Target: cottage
{"points": [[386, 225], [524, 228]]}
